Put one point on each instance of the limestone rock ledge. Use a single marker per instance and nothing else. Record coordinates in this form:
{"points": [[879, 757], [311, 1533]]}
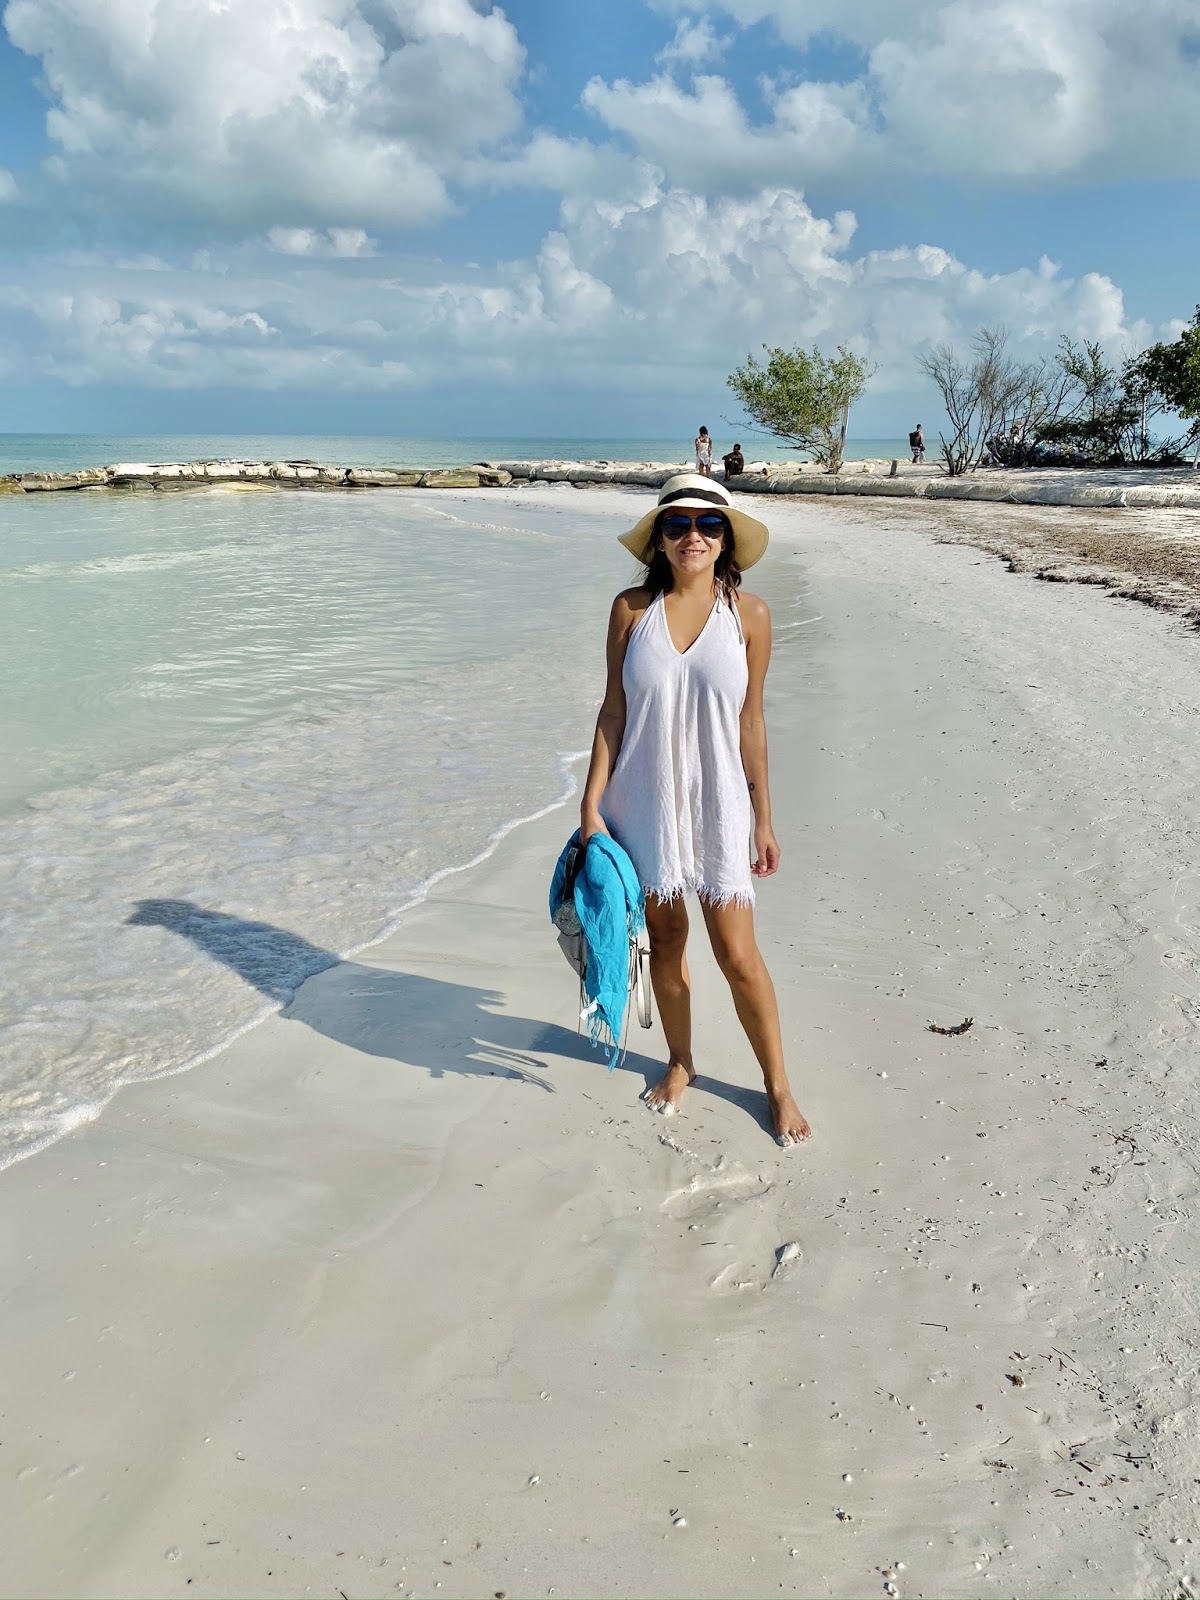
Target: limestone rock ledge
{"points": [[148, 475], [1115, 488], [1101, 488], [35, 482]]}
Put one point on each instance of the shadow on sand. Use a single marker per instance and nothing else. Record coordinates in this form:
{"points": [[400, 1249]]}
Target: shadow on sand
{"points": [[422, 1022]]}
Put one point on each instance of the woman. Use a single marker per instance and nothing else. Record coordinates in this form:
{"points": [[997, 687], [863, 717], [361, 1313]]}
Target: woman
{"points": [[704, 453], [679, 767]]}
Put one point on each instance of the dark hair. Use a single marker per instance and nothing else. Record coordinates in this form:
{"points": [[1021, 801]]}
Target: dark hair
{"points": [[660, 575], [703, 429]]}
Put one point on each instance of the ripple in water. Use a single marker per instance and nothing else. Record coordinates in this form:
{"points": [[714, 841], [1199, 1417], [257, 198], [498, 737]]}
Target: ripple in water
{"points": [[331, 748]]}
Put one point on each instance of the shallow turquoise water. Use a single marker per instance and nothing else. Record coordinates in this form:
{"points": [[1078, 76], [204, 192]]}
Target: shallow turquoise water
{"points": [[276, 715], [133, 628]]}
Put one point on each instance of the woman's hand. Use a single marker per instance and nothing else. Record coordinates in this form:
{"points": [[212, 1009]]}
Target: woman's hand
{"points": [[766, 852], [589, 825]]}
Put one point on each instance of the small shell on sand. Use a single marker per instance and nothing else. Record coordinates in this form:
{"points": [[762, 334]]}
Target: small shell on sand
{"points": [[679, 1522], [534, 1478], [785, 1256]]}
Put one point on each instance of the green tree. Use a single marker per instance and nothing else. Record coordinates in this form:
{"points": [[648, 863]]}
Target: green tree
{"points": [[803, 397], [1074, 406], [1112, 410], [1173, 370]]}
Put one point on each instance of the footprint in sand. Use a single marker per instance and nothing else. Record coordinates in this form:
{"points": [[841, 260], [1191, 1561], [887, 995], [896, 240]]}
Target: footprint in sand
{"points": [[734, 1276], [1001, 906], [728, 1280], [707, 1191], [724, 1202]]}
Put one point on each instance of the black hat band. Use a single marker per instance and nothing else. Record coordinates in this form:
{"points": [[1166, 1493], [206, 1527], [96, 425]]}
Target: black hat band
{"points": [[715, 495]]}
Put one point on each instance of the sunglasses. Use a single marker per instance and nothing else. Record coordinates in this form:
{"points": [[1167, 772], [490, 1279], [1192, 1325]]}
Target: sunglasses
{"points": [[710, 523]]}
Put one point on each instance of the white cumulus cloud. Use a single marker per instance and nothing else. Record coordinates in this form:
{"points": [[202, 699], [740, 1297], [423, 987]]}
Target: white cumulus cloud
{"points": [[626, 296], [701, 136], [345, 243], [1011, 90], [292, 113], [695, 42]]}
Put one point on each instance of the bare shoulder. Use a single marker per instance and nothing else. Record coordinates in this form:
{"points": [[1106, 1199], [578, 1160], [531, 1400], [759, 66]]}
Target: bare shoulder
{"points": [[629, 605], [754, 612]]}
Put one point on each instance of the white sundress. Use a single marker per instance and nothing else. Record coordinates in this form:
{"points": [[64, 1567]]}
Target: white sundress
{"points": [[677, 800]]}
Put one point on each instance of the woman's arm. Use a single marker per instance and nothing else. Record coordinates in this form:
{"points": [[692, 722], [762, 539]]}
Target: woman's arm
{"points": [[756, 625], [610, 724]]}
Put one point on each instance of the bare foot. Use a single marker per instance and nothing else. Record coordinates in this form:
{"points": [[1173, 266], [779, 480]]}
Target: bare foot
{"points": [[791, 1125], [668, 1092]]}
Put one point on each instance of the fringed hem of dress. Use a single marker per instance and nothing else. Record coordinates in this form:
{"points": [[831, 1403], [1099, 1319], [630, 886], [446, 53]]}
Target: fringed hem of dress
{"points": [[717, 898]]}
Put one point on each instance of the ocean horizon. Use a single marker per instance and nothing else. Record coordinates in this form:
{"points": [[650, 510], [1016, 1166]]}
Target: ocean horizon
{"points": [[68, 452]]}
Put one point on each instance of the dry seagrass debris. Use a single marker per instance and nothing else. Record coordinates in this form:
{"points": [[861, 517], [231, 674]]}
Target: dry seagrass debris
{"points": [[959, 1027]]}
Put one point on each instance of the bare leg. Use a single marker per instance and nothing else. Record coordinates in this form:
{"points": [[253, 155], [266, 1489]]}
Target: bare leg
{"points": [[731, 930], [667, 926]]}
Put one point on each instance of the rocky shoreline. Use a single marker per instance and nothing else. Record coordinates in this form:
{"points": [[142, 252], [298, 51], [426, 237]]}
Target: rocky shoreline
{"points": [[260, 474], [1088, 488]]}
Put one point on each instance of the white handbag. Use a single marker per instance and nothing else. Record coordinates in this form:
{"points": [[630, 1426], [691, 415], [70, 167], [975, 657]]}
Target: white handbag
{"points": [[639, 982]]}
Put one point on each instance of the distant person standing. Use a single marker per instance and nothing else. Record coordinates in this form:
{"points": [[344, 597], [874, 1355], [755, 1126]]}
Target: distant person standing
{"points": [[735, 462], [704, 453], [916, 443]]}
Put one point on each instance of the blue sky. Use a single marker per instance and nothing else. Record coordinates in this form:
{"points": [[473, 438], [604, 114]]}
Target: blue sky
{"points": [[437, 216]]}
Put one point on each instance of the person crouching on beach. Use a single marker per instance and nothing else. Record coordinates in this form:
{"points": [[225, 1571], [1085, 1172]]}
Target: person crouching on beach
{"points": [[678, 774]]}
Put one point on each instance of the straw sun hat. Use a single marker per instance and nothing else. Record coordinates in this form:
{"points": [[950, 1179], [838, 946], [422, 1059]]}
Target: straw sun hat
{"points": [[688, 491]]}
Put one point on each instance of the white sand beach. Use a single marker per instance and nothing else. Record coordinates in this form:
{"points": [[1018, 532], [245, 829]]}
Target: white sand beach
{"points": [[405, 1294]]}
